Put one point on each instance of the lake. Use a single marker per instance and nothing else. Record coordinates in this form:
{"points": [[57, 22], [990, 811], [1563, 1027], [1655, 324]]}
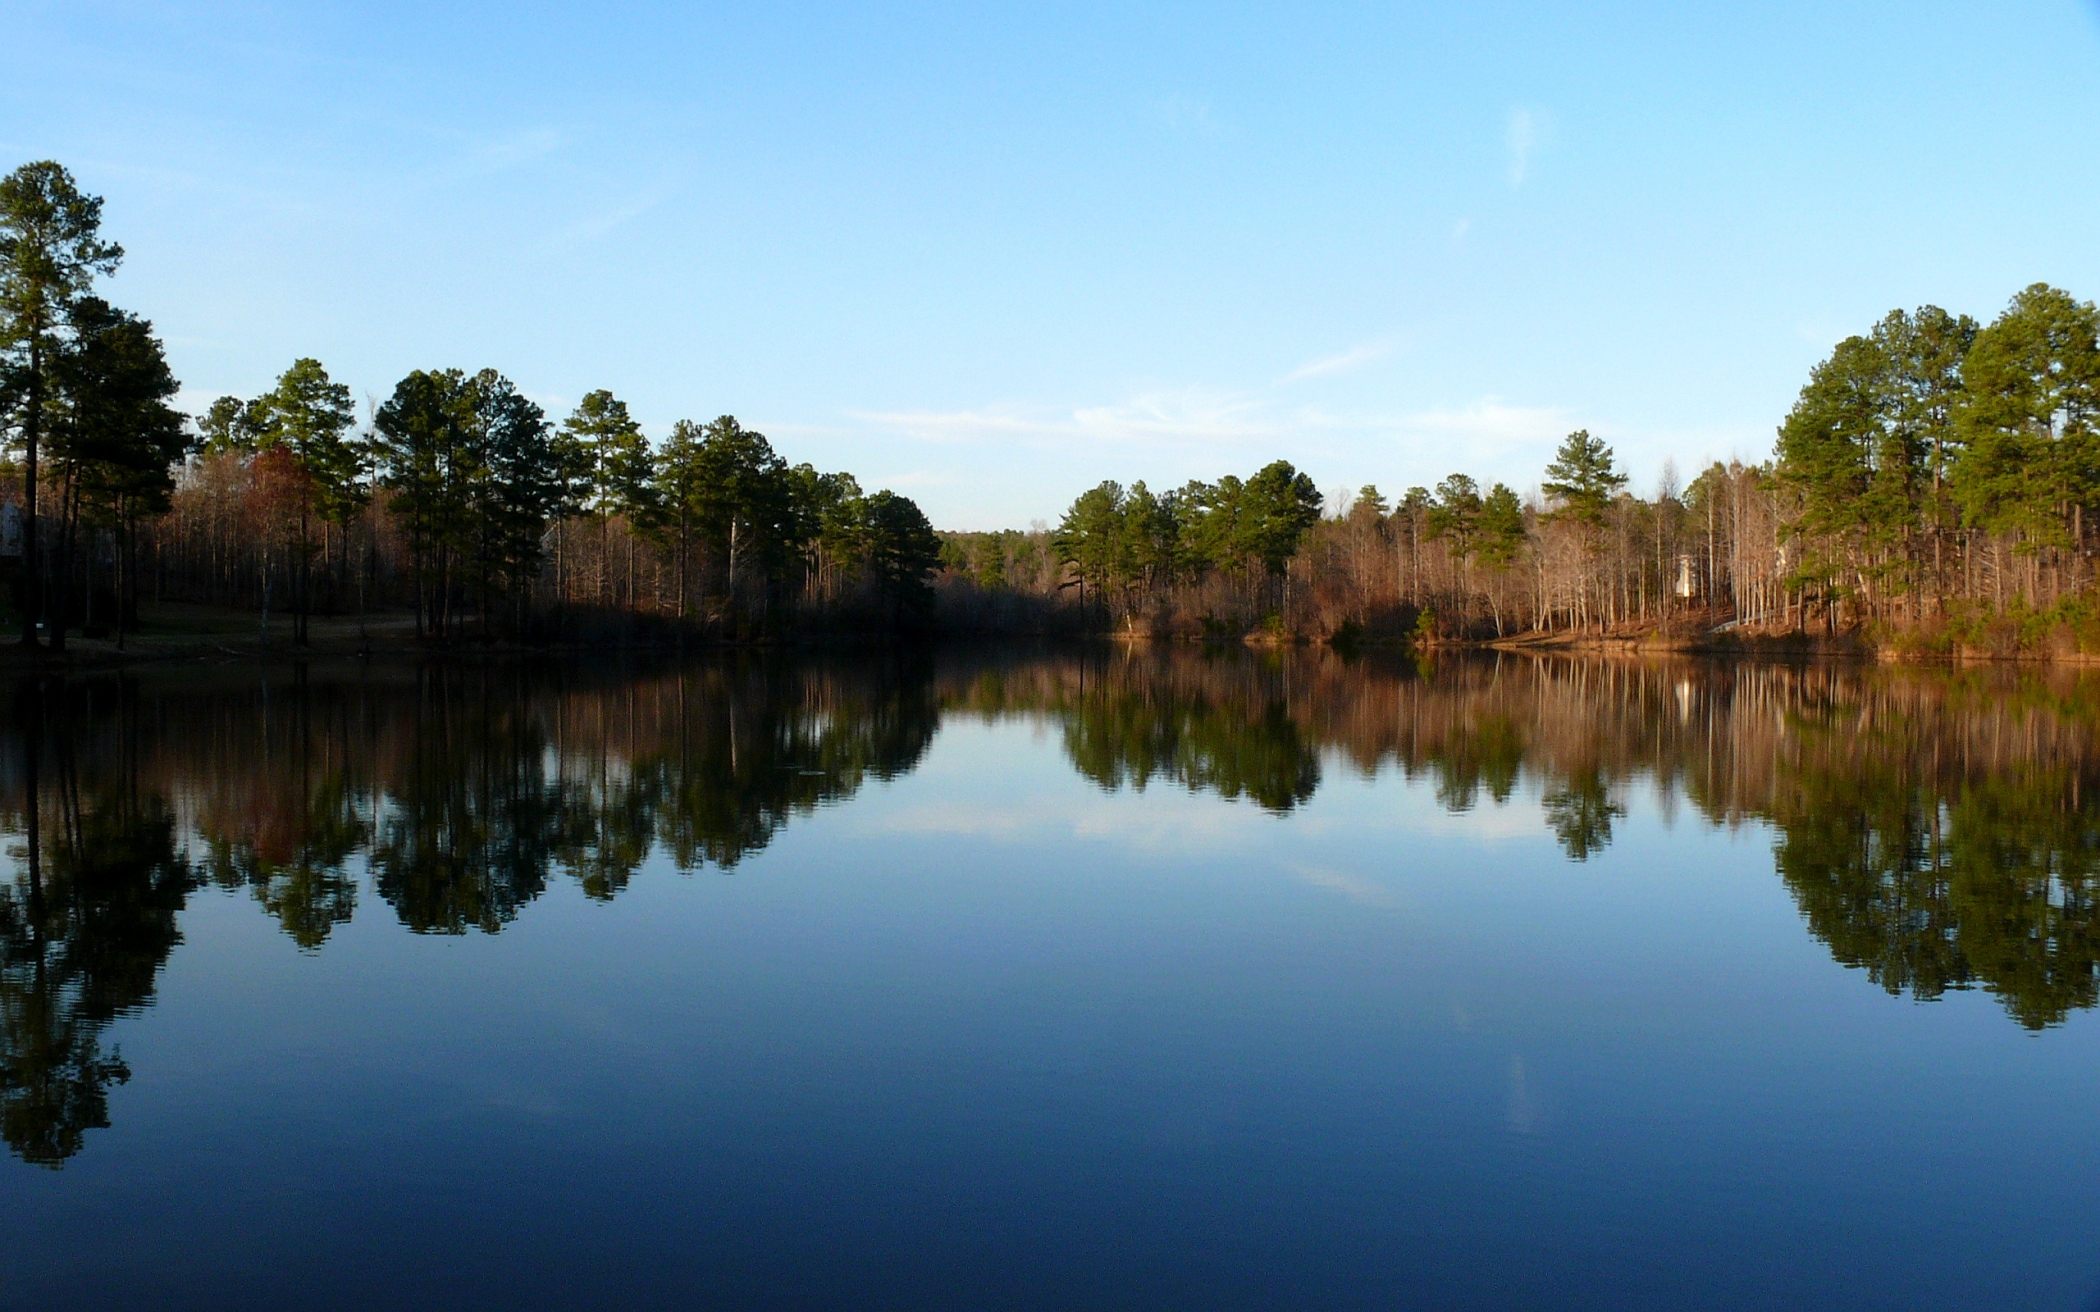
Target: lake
{"points": [[1101, 977]]}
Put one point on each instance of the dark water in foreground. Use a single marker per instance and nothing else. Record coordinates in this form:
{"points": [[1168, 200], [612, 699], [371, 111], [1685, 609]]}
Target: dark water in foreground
{"points": [[1110, 980]]}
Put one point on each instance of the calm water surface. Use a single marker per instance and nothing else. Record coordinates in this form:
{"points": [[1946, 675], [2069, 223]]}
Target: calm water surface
{"points": [[1100, 979]]}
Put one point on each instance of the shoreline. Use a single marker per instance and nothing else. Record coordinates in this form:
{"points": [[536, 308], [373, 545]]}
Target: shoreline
{"points": [[178, 633]]}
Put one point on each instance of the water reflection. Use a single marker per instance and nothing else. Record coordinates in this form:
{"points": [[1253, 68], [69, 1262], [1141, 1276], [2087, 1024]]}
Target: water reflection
{"points": [[1209, 721], [467, 788], [1937, 831], [85, 927], [1942, 846]]}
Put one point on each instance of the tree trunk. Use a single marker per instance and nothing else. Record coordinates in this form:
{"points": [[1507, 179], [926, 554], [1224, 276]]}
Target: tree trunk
{"points": [[61, 584], [32, 432]]}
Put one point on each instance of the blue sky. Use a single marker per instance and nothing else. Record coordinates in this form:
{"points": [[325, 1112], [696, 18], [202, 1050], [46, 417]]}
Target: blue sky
{"points": [[990, 255]]}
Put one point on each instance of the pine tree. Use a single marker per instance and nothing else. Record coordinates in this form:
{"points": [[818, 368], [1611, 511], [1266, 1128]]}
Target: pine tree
{"points": [[51, 251]]}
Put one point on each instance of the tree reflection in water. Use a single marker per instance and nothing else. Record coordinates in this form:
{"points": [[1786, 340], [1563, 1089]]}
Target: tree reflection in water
{"points": [[467, 788], [463, 789], [1209, 722], [1937, 830], [1947, 856], [85, 925]]}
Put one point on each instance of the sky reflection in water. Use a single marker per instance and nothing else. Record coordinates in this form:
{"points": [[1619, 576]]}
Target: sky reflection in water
{"points": [[1106, 979]]}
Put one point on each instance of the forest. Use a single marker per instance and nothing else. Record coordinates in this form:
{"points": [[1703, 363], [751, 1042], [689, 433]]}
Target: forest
{"points": [[1926, 493], [456, 498]]}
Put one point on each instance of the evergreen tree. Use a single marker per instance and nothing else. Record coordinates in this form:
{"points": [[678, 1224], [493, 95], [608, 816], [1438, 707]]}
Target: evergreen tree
{"points": [[1925, 351], [309, 417], [1210, 517], [227, 425], [423, 432], [1369, 505], [51, 250], [746, 511], [516, 484], [603, 461], [1455, 515], [1278, 506], [1151, 552], [830, 524], [1583, 478], [1500, 527], [115, 441], [1091, 537], [678, 497], [471, 463], [2027, 416], [903, 553], [1827, 450]]}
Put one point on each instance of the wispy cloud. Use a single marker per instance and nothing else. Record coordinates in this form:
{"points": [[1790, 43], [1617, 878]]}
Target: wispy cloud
{"points": [[961, 425], [1189, 115], [1168, 435], [1173, 424], [1188, 415], [1518, 820], [555, 404], [1174, 821], [1354, 357], [1356, 888], [513, 149], [783, 428], [1490, 423], [1521, 134], [590, 227]]}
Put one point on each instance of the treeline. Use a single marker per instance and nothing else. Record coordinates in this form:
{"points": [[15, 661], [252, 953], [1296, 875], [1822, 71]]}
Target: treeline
{"points": [[461, 500], [1932, 459], [1119, 550], [1267, 556], [457, 498], [1929, 487]]}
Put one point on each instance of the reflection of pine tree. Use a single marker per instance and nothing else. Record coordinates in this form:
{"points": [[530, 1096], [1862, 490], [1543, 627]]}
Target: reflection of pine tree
{"points": [[1579, 810], [509, 778], [757, 745], [1995, 886], [2024, 868], [84, 929], [1862, 868], [289, 837], [295, 858], [54, 1084], [1256, 753], [1490, 753], [1938, 832], [1233, 739], [470, 826], [1950, 853]]}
